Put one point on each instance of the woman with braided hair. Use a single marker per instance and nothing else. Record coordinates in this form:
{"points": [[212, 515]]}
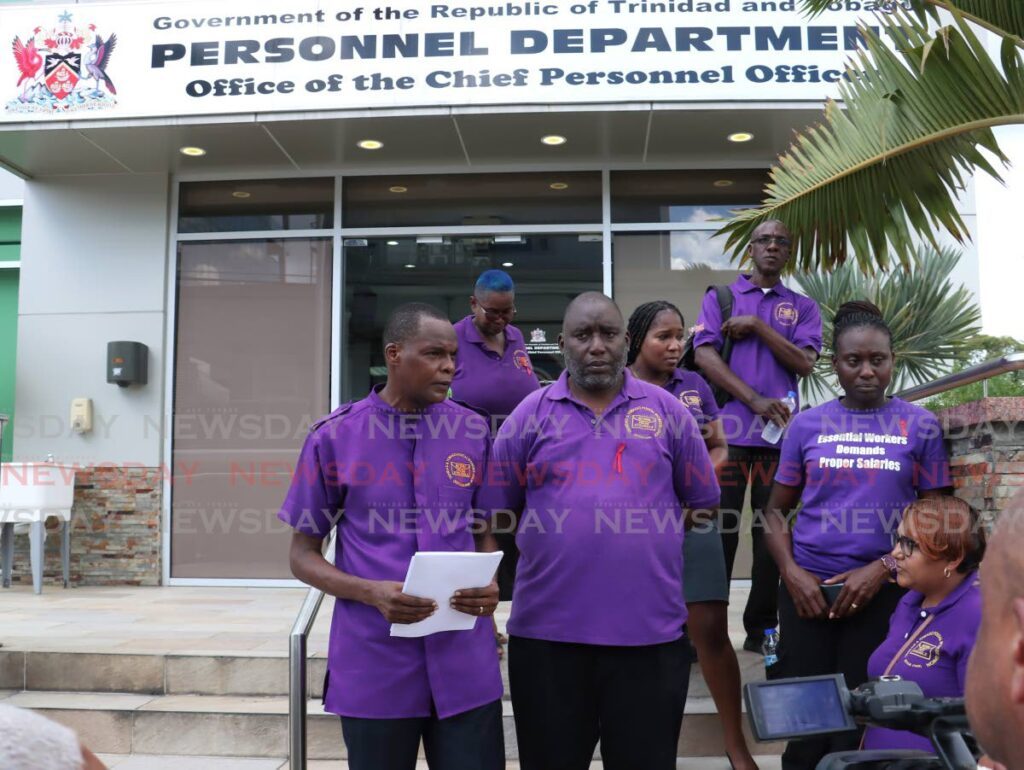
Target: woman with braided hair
{"points": [[656, 337], [854, 464]]}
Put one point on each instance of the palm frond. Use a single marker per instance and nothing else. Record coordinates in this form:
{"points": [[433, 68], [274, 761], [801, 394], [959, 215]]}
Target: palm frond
{"points": [[1003, 17], [890, 164], [932, 321]]}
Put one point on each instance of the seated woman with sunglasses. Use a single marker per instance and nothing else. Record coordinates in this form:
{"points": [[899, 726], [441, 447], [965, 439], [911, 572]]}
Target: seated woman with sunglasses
{"points": [[936, 554], [854, 464]]}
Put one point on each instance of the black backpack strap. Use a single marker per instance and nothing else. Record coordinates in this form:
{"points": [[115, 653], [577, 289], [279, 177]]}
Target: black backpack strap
{"points": [[725, 300]]}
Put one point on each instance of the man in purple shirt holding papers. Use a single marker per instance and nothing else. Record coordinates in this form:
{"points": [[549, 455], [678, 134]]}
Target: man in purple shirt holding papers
{"points": [[602, 471], [776, 338], [397, 473]]}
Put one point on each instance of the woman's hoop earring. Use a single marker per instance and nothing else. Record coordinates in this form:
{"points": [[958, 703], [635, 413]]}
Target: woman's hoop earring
{"points": [[947, 572]]}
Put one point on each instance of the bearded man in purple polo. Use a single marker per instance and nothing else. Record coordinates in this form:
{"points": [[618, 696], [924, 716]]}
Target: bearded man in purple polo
{"points": [[397, 473], [601, 471]]}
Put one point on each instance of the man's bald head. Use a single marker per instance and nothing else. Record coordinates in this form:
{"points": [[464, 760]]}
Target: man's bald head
{"points": [[586, 301], [995, 674]]}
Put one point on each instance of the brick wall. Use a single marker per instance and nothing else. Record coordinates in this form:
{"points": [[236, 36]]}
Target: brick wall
{"points": [[115, 539], [986, 451]]}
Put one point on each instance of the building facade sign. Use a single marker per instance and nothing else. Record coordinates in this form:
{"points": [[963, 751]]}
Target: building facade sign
{"points": [[161, 59]]}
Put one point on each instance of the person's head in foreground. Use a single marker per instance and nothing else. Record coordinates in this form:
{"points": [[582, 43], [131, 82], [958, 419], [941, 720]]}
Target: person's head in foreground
{"points": [[30, 741], [938, 544], [995, 675]]}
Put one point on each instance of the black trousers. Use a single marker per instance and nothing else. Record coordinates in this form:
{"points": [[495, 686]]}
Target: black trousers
{"points": [[509, 561], [754, 466], [472, 740], [566, 697], [813, 647]]}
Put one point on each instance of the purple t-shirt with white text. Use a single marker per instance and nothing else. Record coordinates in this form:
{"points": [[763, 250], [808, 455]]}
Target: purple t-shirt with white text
{"points": [[599, 499], [792, 315], [859, 469]]}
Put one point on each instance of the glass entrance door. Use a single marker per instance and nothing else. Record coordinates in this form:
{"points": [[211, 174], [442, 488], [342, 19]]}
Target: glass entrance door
{"points": [[382, 273]]}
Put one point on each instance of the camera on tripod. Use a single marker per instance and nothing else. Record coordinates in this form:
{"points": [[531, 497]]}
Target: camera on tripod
{"points": [[785, 709]]}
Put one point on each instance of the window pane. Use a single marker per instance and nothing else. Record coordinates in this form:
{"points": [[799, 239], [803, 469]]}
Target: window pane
{"points": [[380, 274], [251, 204], [677, 267], [472, 199], [252, 374], [683, 196]]}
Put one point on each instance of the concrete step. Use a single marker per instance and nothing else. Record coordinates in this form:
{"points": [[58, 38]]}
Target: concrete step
{"points": [[193, 674], [256, 726]]}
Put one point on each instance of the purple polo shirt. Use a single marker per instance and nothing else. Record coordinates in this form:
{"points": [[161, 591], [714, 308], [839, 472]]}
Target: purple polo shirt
{"points": [[792, 315], [930, 646], [600, 500], [487, 381], [859, 469], [695, 394], [394, 484]]}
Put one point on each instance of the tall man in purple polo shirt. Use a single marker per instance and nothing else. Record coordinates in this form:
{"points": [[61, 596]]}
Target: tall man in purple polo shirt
{"points": [[601, 470], [397, 473], [776, 337], [493, 373]]}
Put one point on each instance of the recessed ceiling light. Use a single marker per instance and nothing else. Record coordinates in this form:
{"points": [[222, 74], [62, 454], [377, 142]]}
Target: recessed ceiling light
{"points": [[559, 186], [552, 140], [369, 144], [192, 152], [392, 243], [398, 189], [740, 136], [410, 266], [723, 183], [507, 264], [241, 194]]}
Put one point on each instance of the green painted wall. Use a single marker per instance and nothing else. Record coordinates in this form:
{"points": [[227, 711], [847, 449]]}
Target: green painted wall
{"points": [[10, 251]]}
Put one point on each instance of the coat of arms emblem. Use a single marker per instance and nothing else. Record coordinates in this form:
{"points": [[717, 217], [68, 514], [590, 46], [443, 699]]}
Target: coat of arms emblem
{"points": [[63, 69]]}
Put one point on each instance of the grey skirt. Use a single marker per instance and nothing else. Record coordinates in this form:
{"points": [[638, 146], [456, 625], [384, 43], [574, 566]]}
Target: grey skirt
{"points": [[704, 577]]}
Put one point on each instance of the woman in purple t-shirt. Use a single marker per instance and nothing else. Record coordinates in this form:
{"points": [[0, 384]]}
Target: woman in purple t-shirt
{"points": [[937, 550], [853, 464], [656, 336]]}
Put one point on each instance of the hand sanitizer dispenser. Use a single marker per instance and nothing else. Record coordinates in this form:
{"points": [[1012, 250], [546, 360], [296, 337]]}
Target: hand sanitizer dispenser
{"points": [[81, 415], [127, 363]]}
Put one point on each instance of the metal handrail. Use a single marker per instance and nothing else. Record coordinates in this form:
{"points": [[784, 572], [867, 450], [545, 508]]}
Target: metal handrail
{"points": [[297, 671], [1011, 362]]}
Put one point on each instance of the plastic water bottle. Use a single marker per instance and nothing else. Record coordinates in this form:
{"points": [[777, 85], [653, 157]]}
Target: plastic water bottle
{"points": [[770, 648], [772, 432]]}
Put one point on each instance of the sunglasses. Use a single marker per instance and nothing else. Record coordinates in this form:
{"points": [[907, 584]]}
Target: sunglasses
{"points": [[781, 240]]}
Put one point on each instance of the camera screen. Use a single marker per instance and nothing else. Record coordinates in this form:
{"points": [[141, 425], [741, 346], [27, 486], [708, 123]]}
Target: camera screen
{"points": [[789, 709]]}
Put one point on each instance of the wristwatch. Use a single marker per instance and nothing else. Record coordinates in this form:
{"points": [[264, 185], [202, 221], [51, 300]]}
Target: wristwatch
{"points": [[889, 562]]}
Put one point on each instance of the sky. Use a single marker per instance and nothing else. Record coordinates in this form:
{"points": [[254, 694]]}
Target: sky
{"points": [[1001, 240]]}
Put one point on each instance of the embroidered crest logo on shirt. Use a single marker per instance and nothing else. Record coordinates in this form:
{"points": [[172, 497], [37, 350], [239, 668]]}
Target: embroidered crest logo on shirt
{"points": [[925, 651], [786, 314], [522, 361], [460, 468], [691, 399], [644, 422]]}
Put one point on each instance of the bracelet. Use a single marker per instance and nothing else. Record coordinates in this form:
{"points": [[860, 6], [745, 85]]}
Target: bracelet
{"points": [[889, 562]]}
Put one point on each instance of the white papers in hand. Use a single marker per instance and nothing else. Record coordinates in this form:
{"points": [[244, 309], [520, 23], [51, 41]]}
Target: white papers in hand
{"points": [[438, 575]]}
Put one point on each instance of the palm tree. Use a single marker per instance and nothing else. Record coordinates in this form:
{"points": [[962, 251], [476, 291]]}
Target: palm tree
{"points": [[932, 321], [917, 113]]}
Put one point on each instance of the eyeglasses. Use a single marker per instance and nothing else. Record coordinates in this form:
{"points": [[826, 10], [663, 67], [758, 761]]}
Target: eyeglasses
{"points": [[495, 314], [907, 545], [780, 240]]}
